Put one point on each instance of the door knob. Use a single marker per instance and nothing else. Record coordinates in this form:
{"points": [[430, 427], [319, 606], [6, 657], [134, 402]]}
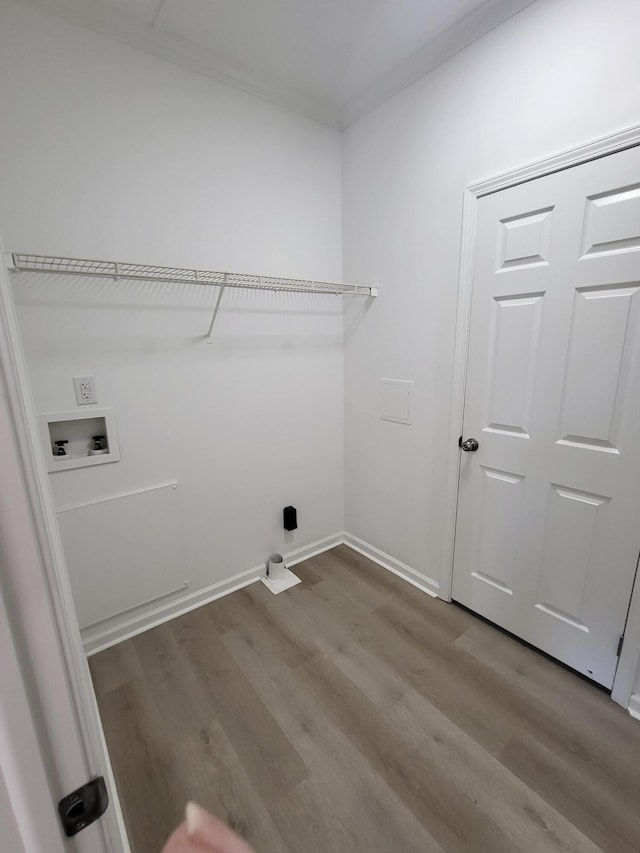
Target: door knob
{"points": [[470, 445]]}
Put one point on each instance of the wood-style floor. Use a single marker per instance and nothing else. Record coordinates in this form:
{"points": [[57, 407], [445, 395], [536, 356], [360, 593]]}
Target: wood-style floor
{"points": [[355, 713]]}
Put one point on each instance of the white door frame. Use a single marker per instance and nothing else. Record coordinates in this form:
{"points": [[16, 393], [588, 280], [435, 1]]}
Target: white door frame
{"points": [[630, 655], [52, 670], [27, 803]]}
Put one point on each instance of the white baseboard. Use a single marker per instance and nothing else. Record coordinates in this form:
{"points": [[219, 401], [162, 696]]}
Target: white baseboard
{"points": [[108, 632], [634, 705], [292, 558], [402, 570]]}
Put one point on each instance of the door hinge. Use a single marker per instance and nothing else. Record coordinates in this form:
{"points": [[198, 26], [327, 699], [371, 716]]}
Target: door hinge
{"points": [[620, 641], [83, 806]]}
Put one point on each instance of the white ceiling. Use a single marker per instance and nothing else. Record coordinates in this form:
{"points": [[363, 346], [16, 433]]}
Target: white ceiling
{"points": [[331, 59]]}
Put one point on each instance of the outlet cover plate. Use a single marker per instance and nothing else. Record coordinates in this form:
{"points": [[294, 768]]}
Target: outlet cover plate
{"points": [[85, 388]]}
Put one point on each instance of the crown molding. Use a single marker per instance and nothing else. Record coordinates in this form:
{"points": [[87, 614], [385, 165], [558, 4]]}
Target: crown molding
{"points": [[125, 28], [454, 39]]}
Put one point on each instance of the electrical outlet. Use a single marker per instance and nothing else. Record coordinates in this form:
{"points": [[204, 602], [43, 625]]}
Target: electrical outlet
{"points": [[85, 388]]}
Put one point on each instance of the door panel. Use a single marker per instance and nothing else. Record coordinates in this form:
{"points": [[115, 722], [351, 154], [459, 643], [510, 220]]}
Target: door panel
{"points": [[516, 323], [501, 503], [524, 239], [548, 531], [594, 386], [572, 518], [612, 222]]}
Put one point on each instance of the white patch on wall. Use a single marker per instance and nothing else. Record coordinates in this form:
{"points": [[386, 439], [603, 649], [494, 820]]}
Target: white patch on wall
{"points": [[395, 400], [123, 552]]}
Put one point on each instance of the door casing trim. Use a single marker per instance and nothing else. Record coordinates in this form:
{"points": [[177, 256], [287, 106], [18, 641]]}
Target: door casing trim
{"points": [[52, 571], [629, 662]]}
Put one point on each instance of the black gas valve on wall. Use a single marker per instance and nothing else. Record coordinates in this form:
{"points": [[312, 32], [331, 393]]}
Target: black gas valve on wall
{"points": [[290, 518]]}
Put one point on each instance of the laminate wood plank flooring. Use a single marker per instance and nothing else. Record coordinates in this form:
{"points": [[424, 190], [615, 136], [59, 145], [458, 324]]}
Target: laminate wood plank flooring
{"points": [[355, 714]]}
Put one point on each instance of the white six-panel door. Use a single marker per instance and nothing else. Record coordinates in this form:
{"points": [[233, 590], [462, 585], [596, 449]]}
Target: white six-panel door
{"points": [[548, 531]]}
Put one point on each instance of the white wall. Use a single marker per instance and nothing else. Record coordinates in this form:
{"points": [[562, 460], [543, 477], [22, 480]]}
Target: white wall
{"points": [[559, 74], [107, 152], [556, 75]]}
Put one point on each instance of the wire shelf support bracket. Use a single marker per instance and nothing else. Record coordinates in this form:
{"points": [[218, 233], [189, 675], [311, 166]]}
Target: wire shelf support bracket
{"points": [[216, 308]]}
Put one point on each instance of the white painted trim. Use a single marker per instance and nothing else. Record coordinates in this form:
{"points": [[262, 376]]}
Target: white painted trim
{"points": [[292, 558], [601, 147], [109, 632], [464, 32], [115, 629], [22, 766], [125, 28], [111, 783], [628, 669], [52, 572], [634, 705], [402, 570], [118, 496]]}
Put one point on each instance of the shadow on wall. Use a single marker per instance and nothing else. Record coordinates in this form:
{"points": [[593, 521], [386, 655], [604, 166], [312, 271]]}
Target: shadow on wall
{"points": [[84, 291], [132, 317], [355, 310]]}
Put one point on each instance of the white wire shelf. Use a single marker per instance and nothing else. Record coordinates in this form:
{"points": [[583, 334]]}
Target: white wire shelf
{"points": [[141, 272], [20, 262]]}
